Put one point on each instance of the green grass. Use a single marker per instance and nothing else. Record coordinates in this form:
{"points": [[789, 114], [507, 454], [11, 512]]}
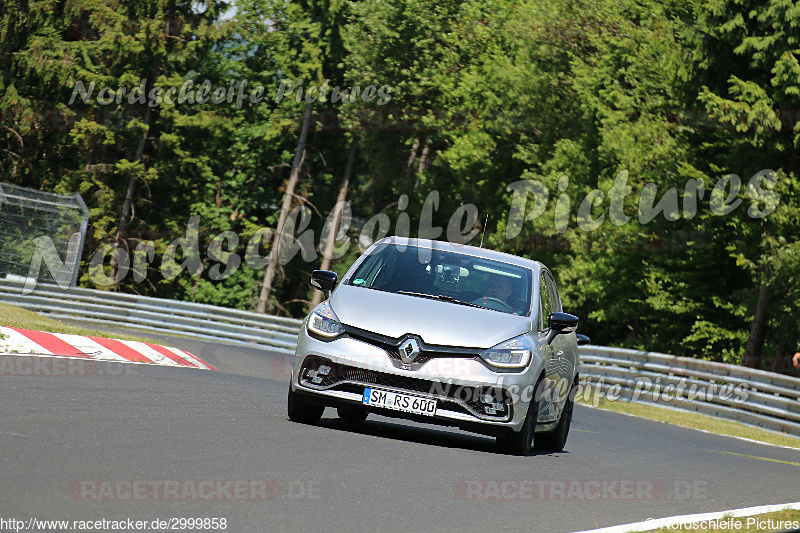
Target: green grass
{"points": [[697, 421], [781, 521], [17, 317]]}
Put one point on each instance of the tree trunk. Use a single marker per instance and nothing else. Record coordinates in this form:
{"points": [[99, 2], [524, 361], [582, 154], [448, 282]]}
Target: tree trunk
{"points": [[299, 156], [758, 330], [423, 161], [126, 206], [128, 203], [330, 242], [411, 158], [785, 351]]}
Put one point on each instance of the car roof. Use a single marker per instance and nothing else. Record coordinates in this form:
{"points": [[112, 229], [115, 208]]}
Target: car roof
{"points": [[484, 253]]}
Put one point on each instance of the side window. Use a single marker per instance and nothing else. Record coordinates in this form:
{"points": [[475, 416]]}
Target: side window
{"points": [[544, 302], [555, 301]]}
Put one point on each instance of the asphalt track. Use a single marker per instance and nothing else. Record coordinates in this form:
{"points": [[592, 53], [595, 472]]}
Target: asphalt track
{"points": [[64, 438]]}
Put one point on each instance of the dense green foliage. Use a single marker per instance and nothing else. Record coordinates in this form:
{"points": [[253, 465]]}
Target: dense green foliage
{"points": [[575, 96]]}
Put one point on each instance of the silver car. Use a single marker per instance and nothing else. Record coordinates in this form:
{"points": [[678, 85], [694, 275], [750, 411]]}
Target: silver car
{"points": [[444, 334]]}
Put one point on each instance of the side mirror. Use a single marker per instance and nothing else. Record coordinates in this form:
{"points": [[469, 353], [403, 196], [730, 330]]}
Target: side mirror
{"points": [[561, 323], [583, 340], [324, 280]]}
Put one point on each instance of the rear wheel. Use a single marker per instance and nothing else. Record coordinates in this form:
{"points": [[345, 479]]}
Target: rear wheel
{"points": [[521, 442], [555, 440], [352, 413], [301, 411]]}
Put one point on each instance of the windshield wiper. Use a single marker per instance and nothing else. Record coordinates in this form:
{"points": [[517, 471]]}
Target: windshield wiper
{"points": [[440, 297], [373, 288]]}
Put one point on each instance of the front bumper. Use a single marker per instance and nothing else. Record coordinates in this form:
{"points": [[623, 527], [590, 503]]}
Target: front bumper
{"points": [[469, 394]]}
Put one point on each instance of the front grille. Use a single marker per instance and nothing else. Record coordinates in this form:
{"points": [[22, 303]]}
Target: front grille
{"points": [[456, 397], [428, 352]]}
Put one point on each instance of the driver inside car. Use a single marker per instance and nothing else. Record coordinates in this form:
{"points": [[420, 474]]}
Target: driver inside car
{"points": [[497, 287]]}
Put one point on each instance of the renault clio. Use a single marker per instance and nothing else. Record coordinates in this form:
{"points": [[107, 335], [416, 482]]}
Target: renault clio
{"points": [[445, 334]]}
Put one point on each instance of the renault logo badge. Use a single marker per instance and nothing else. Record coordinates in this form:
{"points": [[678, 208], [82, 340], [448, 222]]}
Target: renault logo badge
{"points": [[409, 350]]}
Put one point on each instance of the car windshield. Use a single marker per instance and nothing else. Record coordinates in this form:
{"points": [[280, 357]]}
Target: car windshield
{"points": [[454, 277]]}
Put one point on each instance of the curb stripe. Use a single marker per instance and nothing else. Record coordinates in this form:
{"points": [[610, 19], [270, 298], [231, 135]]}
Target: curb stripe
{"points": [[169, 355], [16, 342], [19, 341], [191, 358], [51, 343], [89, 347], [148, 352], [121, 349]]}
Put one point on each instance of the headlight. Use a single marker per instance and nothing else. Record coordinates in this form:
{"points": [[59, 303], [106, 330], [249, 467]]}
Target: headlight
{"points": [[514, 353], [324, 322]]}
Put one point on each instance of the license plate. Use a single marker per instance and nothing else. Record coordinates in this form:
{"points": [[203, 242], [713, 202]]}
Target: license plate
{"points": [[399, 402]]}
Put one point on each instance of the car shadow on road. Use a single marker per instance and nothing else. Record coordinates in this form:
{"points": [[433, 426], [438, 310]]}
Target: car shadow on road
{"points": [[443, 437]]}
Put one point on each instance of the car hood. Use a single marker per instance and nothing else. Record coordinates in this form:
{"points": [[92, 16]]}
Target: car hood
{"points": [[436, 322]]}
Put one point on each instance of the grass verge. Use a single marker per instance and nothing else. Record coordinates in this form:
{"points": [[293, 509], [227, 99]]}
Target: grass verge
{"points": [[17, 317], [697, 421], [768, 523]]}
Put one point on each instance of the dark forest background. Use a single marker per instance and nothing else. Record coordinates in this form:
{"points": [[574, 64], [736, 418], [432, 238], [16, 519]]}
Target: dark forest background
{"points": [[677, 95]]}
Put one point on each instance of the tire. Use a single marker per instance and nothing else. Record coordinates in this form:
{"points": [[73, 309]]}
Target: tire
{"points": [[300, 410], [352, 413], [522, 442], [555, 440]]}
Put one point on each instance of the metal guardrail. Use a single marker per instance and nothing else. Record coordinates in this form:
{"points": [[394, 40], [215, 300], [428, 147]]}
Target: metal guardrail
{"points": [[199, 321], [750, 396], [745, 395]]}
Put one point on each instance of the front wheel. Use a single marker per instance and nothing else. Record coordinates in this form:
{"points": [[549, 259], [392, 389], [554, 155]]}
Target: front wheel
{"points": [[522, 442], [301, 411], [555, 440]]}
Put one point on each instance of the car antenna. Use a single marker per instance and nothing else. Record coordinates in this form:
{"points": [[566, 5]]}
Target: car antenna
{"points": [[484, 229]]}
